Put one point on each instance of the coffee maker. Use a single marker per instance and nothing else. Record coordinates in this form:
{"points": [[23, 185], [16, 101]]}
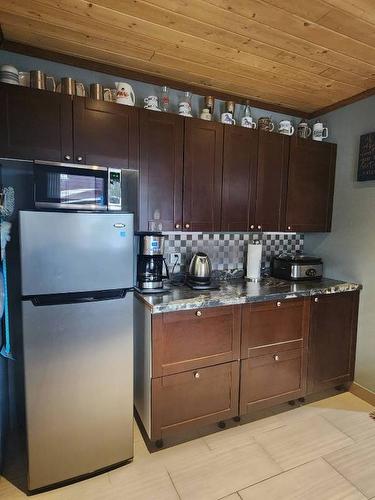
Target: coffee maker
{"points": [[150, 263]]}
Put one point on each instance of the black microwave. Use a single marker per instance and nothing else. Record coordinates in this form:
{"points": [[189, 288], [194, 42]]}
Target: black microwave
{"points": [[76, 187]]}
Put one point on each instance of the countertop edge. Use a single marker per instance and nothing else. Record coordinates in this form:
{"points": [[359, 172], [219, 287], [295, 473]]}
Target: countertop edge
{"points": [[204, 302]]}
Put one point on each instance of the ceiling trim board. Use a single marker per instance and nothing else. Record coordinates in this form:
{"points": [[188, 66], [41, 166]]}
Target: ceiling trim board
{"points": [[342, 103], [143, 77]]}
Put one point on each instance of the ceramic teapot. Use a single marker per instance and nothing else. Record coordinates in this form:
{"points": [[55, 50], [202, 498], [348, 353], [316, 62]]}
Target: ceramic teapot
{"points": [[124, 94]]}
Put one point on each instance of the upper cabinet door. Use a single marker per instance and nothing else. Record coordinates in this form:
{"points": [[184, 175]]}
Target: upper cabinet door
{"points": [[161, 163], [202, 175], [35, 124], [239, 177], [310, 185], [105, 133], [273, 152]]}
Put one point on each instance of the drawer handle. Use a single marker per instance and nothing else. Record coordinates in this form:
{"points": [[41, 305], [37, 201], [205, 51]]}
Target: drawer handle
{"points": [[198, 313], [196, 374], [316, 299], [278, 304], [276, 357]]}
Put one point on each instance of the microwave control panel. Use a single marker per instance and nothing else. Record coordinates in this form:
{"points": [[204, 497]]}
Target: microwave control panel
{"points": [[114, 189]]}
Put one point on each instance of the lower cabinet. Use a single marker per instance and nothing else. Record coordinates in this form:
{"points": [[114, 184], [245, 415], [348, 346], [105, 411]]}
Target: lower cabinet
{"points": [[272, 378], [195, 397], [274, 352], [196, 338], [333, 335], [201, 366]]}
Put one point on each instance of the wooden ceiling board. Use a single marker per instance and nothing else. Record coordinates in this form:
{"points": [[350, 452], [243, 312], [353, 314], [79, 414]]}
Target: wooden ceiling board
{"points": [[298, 54], [86, 33]]}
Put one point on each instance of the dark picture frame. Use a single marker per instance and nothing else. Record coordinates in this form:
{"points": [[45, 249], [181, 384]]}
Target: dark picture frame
{"points": [[366, 158]]}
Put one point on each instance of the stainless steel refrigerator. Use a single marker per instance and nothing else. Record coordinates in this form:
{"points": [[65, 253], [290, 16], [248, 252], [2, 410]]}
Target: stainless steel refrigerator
{"points": [[77, 317]]}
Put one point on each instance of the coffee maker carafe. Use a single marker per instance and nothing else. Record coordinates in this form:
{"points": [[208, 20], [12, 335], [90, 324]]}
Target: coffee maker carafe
{"points": [[151, 262]]}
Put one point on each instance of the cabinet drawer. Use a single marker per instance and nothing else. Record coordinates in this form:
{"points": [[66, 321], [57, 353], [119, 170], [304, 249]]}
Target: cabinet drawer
{"points": [[195, 397], [196, 338], [273, 322], [272, 379]]}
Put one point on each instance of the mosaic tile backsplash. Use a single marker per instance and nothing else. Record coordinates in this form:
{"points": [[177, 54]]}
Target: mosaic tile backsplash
{"points": [[228, 251]]}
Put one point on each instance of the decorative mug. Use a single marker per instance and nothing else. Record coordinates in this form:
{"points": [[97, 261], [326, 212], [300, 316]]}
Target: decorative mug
{"points": [[227, 118], [320, 132], [184, 109], [266, 124], [286, 127], [206, 115], [24, 78], [9, 74], [109, 95], [303, 130], [152, 102], [248, 122]]}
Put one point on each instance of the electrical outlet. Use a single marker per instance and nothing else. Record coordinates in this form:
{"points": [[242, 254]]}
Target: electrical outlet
{"points": [[175, 258]]}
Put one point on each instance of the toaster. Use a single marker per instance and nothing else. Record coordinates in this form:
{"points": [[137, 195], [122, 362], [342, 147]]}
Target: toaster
{"points": [[296, 267]]}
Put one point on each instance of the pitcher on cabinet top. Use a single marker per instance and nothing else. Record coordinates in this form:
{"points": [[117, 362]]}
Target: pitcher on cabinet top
{"points": [[124, 94]]}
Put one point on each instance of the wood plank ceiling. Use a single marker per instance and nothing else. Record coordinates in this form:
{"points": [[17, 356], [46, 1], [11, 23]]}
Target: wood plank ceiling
{"points": [[300, 54]]}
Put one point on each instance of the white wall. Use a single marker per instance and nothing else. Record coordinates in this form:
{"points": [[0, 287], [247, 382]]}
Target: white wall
{"points": [[349, 250]]}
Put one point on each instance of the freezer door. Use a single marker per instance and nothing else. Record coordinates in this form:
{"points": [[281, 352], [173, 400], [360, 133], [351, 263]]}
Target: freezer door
{"points": [[79, 387], [75, 252]]}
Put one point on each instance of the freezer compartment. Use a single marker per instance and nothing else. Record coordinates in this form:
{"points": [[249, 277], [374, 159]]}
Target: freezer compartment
{"points": [[79, 387], [64, 252]]}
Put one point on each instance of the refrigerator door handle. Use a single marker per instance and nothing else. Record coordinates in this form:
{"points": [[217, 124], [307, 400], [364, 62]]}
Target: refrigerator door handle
{"points": [[76, 298]]}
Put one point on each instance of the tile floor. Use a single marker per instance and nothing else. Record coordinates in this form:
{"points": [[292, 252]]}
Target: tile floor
{"points": [[323, 451]]}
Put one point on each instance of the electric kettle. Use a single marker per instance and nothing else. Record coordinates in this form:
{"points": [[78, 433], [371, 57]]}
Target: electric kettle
{"points": [[200, 268]]}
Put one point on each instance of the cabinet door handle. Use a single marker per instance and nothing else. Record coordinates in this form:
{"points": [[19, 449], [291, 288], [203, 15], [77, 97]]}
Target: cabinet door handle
{"points": [[276, 357], [259, 226], [316, 299], [67, 157], [278, 304], [177, 226], [198, 313], [252, 226], [187, 226], [289, 228], [79, 158], [196, 375]]}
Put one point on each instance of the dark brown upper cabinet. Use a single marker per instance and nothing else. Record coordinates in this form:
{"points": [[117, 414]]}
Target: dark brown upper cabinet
{"points": [[105, 133], [273, 157], [310, 185], [333, 334], [35, 124], [161, 165], [239, 178], [203, 168]]}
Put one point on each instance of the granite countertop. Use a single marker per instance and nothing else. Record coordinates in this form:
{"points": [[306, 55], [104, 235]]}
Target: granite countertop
{"points": [[240, 291]]}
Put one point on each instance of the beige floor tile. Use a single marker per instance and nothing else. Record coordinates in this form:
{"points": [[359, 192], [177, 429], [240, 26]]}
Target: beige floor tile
{"points": [[241, 435], [233, 496], [91, 489], [145, 481], [302, 441], [356, 424], [343, 401], [8, 491], [315, 480], [357, 464], [300, 413], [185, 452], [220, 474]]}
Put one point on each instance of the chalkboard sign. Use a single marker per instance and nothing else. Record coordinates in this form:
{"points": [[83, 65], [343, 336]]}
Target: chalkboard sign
{"points": [[366, 160]]}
